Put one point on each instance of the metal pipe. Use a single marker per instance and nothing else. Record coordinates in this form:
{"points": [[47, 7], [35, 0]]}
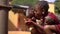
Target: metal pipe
{"points": [[3, 21], [4, 17]]}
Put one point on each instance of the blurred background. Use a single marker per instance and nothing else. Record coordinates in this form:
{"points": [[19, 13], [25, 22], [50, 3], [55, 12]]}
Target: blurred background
{"points": [[20, 10]]}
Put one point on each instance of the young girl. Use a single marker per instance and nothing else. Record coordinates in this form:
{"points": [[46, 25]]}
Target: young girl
{"points": [[41, 13]]}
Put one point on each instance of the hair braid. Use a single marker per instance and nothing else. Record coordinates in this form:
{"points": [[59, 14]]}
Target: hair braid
{"points": [[43, 5]]}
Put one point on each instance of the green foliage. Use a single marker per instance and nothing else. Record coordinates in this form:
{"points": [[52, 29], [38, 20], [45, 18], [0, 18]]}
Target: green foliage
{"points": [[57, 6], [24, 2]]}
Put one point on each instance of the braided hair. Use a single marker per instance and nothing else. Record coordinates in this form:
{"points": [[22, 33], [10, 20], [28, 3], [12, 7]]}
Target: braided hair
{"points": [[43, 5]]}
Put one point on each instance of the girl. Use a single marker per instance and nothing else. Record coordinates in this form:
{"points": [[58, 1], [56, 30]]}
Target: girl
{"points": [[41, 12]]}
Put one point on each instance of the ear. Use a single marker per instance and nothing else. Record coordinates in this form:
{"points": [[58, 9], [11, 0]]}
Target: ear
{"points": [[42, 12]]}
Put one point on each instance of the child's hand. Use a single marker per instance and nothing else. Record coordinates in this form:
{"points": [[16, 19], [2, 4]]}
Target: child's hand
{"points": [[28, 21]]}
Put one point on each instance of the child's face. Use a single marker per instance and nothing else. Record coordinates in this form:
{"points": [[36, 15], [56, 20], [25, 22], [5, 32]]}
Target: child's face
{"points": [[31, 11], [38, 11]]}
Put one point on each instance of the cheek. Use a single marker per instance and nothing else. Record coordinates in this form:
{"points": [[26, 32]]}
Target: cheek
{"points": [[30, 12], [39, 13], [35, 14]]}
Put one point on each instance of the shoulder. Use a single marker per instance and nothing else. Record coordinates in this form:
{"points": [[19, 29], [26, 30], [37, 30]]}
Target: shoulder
{"points": [[48, 19], [50, 13], [53, 16]]}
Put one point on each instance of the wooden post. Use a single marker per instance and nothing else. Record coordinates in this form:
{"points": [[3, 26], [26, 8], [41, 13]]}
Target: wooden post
{"points": [[4, 16]]}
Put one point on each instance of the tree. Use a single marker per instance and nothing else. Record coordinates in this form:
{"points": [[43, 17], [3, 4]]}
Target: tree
{"points": [[57, 6], [24, 2]]}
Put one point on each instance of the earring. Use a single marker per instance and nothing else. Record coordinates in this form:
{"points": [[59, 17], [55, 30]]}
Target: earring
{"points": [[42, 12]]}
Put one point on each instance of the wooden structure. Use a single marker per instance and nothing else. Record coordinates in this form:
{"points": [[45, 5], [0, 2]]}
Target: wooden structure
{"points": [[16, 18]]}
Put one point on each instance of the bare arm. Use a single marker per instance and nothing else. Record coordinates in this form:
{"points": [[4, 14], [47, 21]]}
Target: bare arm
{"points": [[37, 26]]}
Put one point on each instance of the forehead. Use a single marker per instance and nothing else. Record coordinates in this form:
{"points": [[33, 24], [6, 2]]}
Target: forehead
{"points": [[36, 6]]}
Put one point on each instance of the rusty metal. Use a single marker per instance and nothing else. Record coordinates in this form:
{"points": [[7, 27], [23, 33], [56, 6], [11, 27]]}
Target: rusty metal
{"points": [[4, 8]]}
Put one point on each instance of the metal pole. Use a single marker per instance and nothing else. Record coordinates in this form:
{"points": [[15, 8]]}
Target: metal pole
{"points": [[3, 21], [3, 17]]}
